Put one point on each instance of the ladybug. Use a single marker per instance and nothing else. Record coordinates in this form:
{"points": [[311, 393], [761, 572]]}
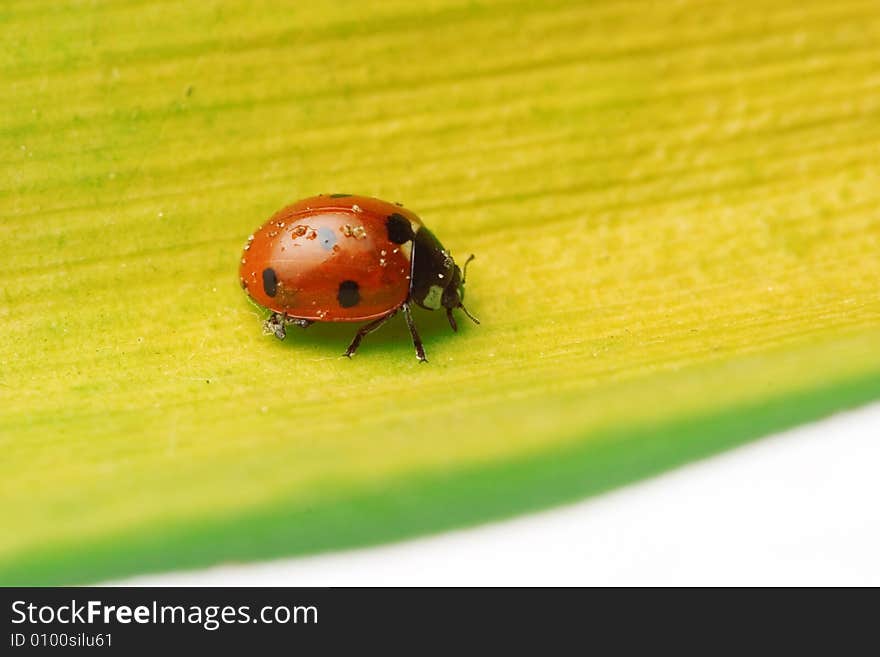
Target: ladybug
{"points": [[347, 258]]}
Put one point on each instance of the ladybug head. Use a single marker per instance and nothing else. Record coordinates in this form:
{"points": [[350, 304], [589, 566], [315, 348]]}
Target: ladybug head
{"points": [[453, 295], [437, 282]]}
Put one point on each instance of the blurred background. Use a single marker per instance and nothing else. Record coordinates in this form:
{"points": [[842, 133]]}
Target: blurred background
{"points": [[795, 509]]}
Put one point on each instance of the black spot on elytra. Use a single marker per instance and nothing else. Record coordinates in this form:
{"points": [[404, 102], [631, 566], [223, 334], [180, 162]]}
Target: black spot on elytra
{"points": [[349, 294], [399, 228], [339, 195], [270, 281]]}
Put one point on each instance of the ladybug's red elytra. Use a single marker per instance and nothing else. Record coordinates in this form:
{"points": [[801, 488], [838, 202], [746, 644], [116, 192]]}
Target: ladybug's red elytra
{"points": [[347, 258]]}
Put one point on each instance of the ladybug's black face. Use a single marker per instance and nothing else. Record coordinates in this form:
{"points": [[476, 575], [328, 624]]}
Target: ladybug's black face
{"points": [[436, 279], [453, 295], [437, 282]]}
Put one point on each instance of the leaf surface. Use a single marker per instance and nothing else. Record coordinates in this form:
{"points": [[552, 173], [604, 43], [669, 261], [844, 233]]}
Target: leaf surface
{"points": [[674, 208]]}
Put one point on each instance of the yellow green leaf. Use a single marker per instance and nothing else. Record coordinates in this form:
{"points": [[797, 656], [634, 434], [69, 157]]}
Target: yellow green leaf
{"points": [[675, 209]]}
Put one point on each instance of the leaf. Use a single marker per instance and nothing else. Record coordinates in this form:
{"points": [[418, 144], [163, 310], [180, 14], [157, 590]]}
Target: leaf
{"points": [[674, 208]]}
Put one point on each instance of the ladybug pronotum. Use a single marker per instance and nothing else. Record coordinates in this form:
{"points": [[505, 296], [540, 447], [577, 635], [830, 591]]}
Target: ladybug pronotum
{"points": [[346, 258]]}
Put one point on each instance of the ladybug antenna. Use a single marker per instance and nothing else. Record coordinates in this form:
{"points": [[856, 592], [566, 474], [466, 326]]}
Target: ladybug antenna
{"points": [[464, 271], [465, 311]]}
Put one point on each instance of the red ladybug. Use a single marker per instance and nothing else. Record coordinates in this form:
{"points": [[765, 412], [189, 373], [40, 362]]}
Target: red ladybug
{"points": [[346, 258]]}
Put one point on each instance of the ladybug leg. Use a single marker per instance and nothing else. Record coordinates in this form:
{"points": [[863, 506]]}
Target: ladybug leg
{"points": [[275, 326], [365, 330], [302, 323], [417, 341], [451, 319]]}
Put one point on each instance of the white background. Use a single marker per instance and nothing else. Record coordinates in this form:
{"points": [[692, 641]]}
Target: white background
{"points": [[797, 508]]}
